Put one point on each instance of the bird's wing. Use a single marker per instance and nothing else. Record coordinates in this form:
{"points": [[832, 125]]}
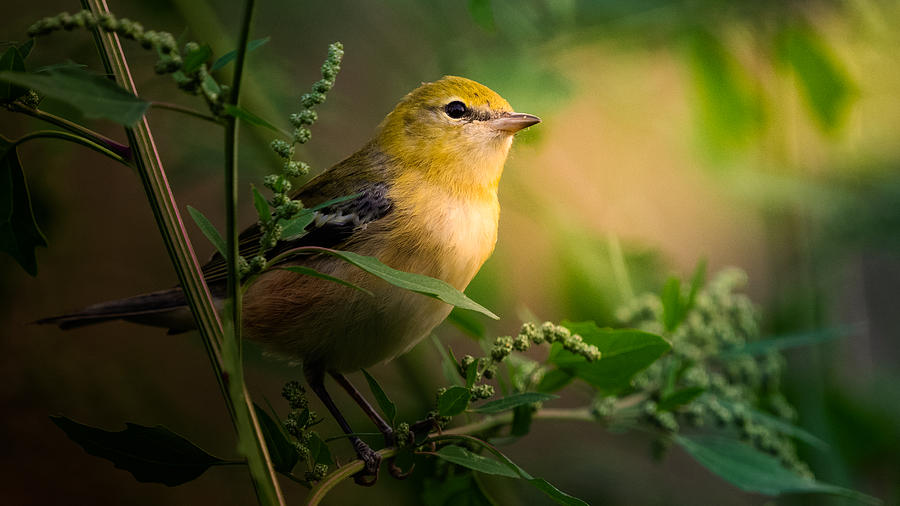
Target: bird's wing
{"points": [[332, 224]]}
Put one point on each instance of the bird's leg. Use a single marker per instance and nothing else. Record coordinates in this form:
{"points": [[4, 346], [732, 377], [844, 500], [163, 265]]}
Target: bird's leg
{"points": [[365, 453], [367, 408]]}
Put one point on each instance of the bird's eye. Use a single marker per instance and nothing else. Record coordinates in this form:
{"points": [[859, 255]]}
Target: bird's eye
{"points": [[455, 109]]}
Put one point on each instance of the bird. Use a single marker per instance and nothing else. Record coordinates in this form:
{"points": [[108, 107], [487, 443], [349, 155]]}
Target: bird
{"points": [[426, 202]]}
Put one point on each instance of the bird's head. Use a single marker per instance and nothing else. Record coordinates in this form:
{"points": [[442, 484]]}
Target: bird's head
{"points": [[454, 131]]}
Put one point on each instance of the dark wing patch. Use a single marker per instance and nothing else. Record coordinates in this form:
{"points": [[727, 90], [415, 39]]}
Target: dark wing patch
{"points": [[330, 227]]}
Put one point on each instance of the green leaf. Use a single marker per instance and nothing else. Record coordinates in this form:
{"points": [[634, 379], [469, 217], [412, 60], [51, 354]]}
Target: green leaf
{"points": [[822, 79], [624, 353], [671, 303], [449, 365], [209, 230], [779, 425], [471, 373], [679, 398], [11, 60], [296, 226], [418, 283], [151, 454], [453, 401], [227, 58], [25, 48], [210, 85], [95, 96], [788, 341], [512, 401], [462, 457], [19, 232], [319, 451], [730, 110], [249, 117], [309, 271], [697, 281], [481, 12], [554, 380], [262, 207], [281, 451], [754, 471], [384, 402], [195, 58], [521, 424]]}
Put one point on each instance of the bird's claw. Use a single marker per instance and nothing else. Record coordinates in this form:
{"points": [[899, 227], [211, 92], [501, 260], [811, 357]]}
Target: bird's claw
{"points": [[398, 473], [372, 461]]}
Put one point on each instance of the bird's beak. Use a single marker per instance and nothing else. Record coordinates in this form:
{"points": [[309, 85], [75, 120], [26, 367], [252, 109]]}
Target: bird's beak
{"points": [[514, 121]]}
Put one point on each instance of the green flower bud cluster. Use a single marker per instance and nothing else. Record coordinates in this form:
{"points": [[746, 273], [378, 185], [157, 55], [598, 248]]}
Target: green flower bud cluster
{"points": [[734, 386], [194, 80], [297, 424], [286, 208]]}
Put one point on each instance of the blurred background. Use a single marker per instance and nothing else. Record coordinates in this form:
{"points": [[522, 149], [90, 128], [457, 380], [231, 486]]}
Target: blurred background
{"points": [[756, 134]]}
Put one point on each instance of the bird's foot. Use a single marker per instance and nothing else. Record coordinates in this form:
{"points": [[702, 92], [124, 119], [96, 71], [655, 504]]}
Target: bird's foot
{"points": [[369, 475]]}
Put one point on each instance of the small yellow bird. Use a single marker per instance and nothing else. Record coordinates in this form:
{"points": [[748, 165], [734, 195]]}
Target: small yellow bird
{"points": [[427, 204]]}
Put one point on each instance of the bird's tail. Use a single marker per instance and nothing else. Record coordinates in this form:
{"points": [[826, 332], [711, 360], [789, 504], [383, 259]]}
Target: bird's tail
{"points": [[165, 308]]}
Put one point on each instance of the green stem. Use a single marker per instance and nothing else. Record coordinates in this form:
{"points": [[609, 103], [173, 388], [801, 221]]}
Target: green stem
{"points": [[322, 488], [190, 275], [250, 437], [119, 149], [56, 134], [185, 110]]}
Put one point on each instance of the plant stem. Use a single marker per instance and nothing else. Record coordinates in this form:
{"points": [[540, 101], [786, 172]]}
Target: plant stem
{"points": [[56, 134], [190, 275], [329, 482], [185, 110], [250, 437], [119, 149]]}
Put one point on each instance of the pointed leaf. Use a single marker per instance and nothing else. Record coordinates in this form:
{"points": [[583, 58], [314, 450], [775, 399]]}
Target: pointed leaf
{"points": [[822, 80], [11, 60], [227, 58], [309, 271], [281, 451], [195, 58], [505, 467], [249, 117], [418, 283], [453, 401], [25, 48], [671, 302], [384, 402], [19, 232], [151, 454], [209, 230], [788, 341], [624, 353], [319, 451], [262, 207], [512, 401], [296, 226], [95, 96], [679, 398], [753, 471]]}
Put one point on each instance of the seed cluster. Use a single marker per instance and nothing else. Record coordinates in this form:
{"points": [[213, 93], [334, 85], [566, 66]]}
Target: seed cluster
{"points": [[285, 207], [195, 79], [298, 423], [741, 392]]}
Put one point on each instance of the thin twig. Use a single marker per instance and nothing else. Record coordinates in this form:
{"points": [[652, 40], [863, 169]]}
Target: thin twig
{"points": [[57, 134], [185, 110], [98, 138]]}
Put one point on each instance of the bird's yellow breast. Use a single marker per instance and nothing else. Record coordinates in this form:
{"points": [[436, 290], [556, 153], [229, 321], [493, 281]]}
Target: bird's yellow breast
{"points": [[443, 234]]}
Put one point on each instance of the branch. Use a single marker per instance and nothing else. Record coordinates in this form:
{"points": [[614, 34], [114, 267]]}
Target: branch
{"points": [[119, 149], [56, 134], [329, 482]]}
